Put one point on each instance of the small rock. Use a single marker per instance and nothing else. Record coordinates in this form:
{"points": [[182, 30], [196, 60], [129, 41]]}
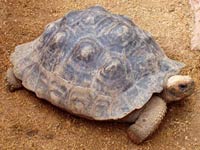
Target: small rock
{"points": [[186, 137]]}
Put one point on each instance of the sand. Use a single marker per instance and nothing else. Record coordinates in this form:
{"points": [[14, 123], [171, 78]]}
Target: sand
{"points": [[27, 122]]}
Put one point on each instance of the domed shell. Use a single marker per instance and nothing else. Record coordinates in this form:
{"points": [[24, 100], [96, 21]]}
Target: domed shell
{"points": [[94, 64]]}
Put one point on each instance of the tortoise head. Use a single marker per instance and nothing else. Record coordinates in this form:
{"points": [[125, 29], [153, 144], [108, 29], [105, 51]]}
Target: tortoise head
{"points": [[178, 87]]}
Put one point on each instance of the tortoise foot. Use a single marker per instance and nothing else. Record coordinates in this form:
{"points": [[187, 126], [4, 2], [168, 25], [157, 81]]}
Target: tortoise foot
{"points": [[13, 82], [148, 121]]}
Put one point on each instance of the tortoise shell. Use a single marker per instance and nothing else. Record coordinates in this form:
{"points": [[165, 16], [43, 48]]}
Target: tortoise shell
{"points": [[94, 64]]}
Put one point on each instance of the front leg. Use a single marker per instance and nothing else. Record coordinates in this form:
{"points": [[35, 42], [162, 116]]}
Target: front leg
{"points": [[13, 82], [148, 121]]}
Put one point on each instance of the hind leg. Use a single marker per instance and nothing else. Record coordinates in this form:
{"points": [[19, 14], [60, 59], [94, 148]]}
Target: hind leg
{"points": [[148, 120], [13, 82]]}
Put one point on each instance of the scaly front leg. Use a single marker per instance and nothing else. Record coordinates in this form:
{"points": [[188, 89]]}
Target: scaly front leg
{"points": [[148, 121]]}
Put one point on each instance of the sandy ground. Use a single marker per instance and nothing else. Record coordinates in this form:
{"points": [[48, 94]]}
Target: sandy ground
{"points": [[27, 122]]}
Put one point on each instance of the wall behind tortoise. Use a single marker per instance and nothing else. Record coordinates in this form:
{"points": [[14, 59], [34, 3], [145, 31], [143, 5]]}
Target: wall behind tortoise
{"points": [[27, 122]]}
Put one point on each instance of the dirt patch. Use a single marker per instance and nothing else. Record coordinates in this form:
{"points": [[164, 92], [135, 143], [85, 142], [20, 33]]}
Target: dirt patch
{"points": [[27, 122]]}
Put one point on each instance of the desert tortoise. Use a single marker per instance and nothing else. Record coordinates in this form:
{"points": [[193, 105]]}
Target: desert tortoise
{"points": [[101, 66]]}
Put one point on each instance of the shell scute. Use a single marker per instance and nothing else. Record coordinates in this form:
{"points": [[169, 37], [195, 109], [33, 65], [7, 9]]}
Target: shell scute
{"points": [[42, 86]]}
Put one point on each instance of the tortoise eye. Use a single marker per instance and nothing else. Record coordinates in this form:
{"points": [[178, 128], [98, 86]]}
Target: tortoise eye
{"points": [[182, 87]]}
